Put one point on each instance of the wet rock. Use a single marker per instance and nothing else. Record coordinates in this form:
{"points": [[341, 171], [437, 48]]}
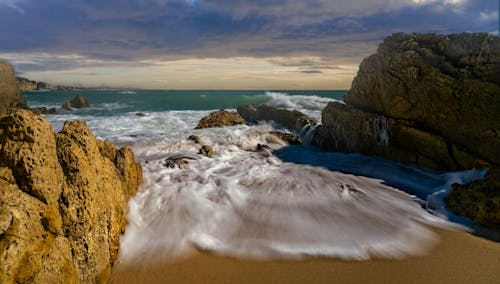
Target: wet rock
{"points": [[479, 200], [179, 161], [220, 118], [76, 102], [291, 119], [262, 147], [290, 138], [63, 202], [140, 114], [195, 139], [206, 151], [10, 97], [436, 95], [43, 110]]}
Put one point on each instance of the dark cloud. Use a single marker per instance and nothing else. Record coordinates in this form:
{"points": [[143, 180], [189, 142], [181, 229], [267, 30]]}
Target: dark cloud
{"points": [[113, 31]]}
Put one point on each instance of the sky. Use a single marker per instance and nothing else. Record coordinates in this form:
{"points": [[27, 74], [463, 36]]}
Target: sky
{"points": [[217, 44]]}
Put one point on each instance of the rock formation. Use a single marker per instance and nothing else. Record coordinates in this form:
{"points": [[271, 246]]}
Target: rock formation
{"points": [[480, 200], [430, 100], [220, 118], [63, 201], [76, 102], [10, 96], [291, 119]]}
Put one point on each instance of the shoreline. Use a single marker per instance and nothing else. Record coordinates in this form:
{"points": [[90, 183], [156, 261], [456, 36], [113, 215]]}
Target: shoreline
{"points": [[458, 257]]}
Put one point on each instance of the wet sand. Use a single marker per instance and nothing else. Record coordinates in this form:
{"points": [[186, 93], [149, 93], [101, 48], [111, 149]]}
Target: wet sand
{"points": [[458, 257]]}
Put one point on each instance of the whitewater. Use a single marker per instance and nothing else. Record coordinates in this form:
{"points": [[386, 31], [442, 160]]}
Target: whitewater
{"points": [[288, 202]]}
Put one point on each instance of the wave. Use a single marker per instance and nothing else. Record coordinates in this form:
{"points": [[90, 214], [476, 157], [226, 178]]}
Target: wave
{"points": [[309, 104], [256, 205]]}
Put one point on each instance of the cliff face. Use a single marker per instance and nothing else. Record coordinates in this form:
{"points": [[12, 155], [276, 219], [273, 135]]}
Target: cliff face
{"points": [[424, 99], [63, 201], [9, 93], [29, 85]]}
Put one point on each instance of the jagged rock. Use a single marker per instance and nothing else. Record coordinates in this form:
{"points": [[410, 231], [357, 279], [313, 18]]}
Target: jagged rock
{"points": [[10, 96], [220, 118], [291, 119], [445, 85], [292, 139], [206, 151], [438, 96], [43, 110], [63, 202], [195, 139], [479, 200], [76, 102]]}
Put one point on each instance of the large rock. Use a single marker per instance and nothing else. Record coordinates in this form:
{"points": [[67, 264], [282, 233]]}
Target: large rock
{"points": [[291, 119], [220, 118], [480, 200], [76, 102], [63, 201], [436, 96], [10, 96]]}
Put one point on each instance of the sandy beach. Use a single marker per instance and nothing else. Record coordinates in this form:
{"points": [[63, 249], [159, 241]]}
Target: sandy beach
{"points": [[458, 257]]}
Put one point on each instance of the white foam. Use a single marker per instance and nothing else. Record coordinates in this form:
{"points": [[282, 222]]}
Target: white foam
{"points": [[256, 205], [310, 105]]}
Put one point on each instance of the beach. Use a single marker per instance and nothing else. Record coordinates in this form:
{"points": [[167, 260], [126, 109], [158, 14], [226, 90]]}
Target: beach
{"points": [[458, 257]]}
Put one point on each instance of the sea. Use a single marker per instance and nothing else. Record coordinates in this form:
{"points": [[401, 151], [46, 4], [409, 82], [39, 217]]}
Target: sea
{"points": [[292, 201]]}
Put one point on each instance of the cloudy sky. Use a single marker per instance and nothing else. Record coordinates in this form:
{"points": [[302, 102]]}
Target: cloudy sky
{"points": [[217, 44]]}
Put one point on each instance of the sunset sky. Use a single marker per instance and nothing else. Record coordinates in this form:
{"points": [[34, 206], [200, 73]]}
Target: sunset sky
{"points": [[217, 44]]}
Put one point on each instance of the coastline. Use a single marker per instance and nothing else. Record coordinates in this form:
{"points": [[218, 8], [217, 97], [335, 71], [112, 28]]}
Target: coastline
{"points": [[458, 257]]}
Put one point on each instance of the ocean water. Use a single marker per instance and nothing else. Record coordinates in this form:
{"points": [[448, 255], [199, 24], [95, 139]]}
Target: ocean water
{"points": [[290, 202]]}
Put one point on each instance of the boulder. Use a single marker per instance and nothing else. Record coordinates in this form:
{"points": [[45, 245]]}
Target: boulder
{"points": [[291, 119], [196, 139], [10, 97], [63, 201], [479, 200], [436, 97], [179, 161], [206, 150], [76, 102], [220, 118]]}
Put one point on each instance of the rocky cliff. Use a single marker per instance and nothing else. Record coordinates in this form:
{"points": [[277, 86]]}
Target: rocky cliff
{"points": [[10, 96], [63, 201], [431, 100], [25, 84]]}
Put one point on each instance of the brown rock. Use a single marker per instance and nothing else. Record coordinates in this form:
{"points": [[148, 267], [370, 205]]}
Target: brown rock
{"points": [[76, 102], [444, 85], [291, 119], [206, 151], [290, 138], [10, 97], [479, 200], [220, 118], [62, 203]]}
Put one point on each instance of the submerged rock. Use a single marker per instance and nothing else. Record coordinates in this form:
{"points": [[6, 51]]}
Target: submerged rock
{"points": [[196, 139], [220, 118], [206, 151], [10, 97], [179, 161], [436, 95], [76, 102], [63, 201]]}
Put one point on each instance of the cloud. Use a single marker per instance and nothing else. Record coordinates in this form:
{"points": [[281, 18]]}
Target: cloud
{"points": [[78, 33]]}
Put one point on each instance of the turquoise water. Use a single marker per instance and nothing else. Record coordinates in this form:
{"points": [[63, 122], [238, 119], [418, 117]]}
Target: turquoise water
{"points": [[112, 102]]}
